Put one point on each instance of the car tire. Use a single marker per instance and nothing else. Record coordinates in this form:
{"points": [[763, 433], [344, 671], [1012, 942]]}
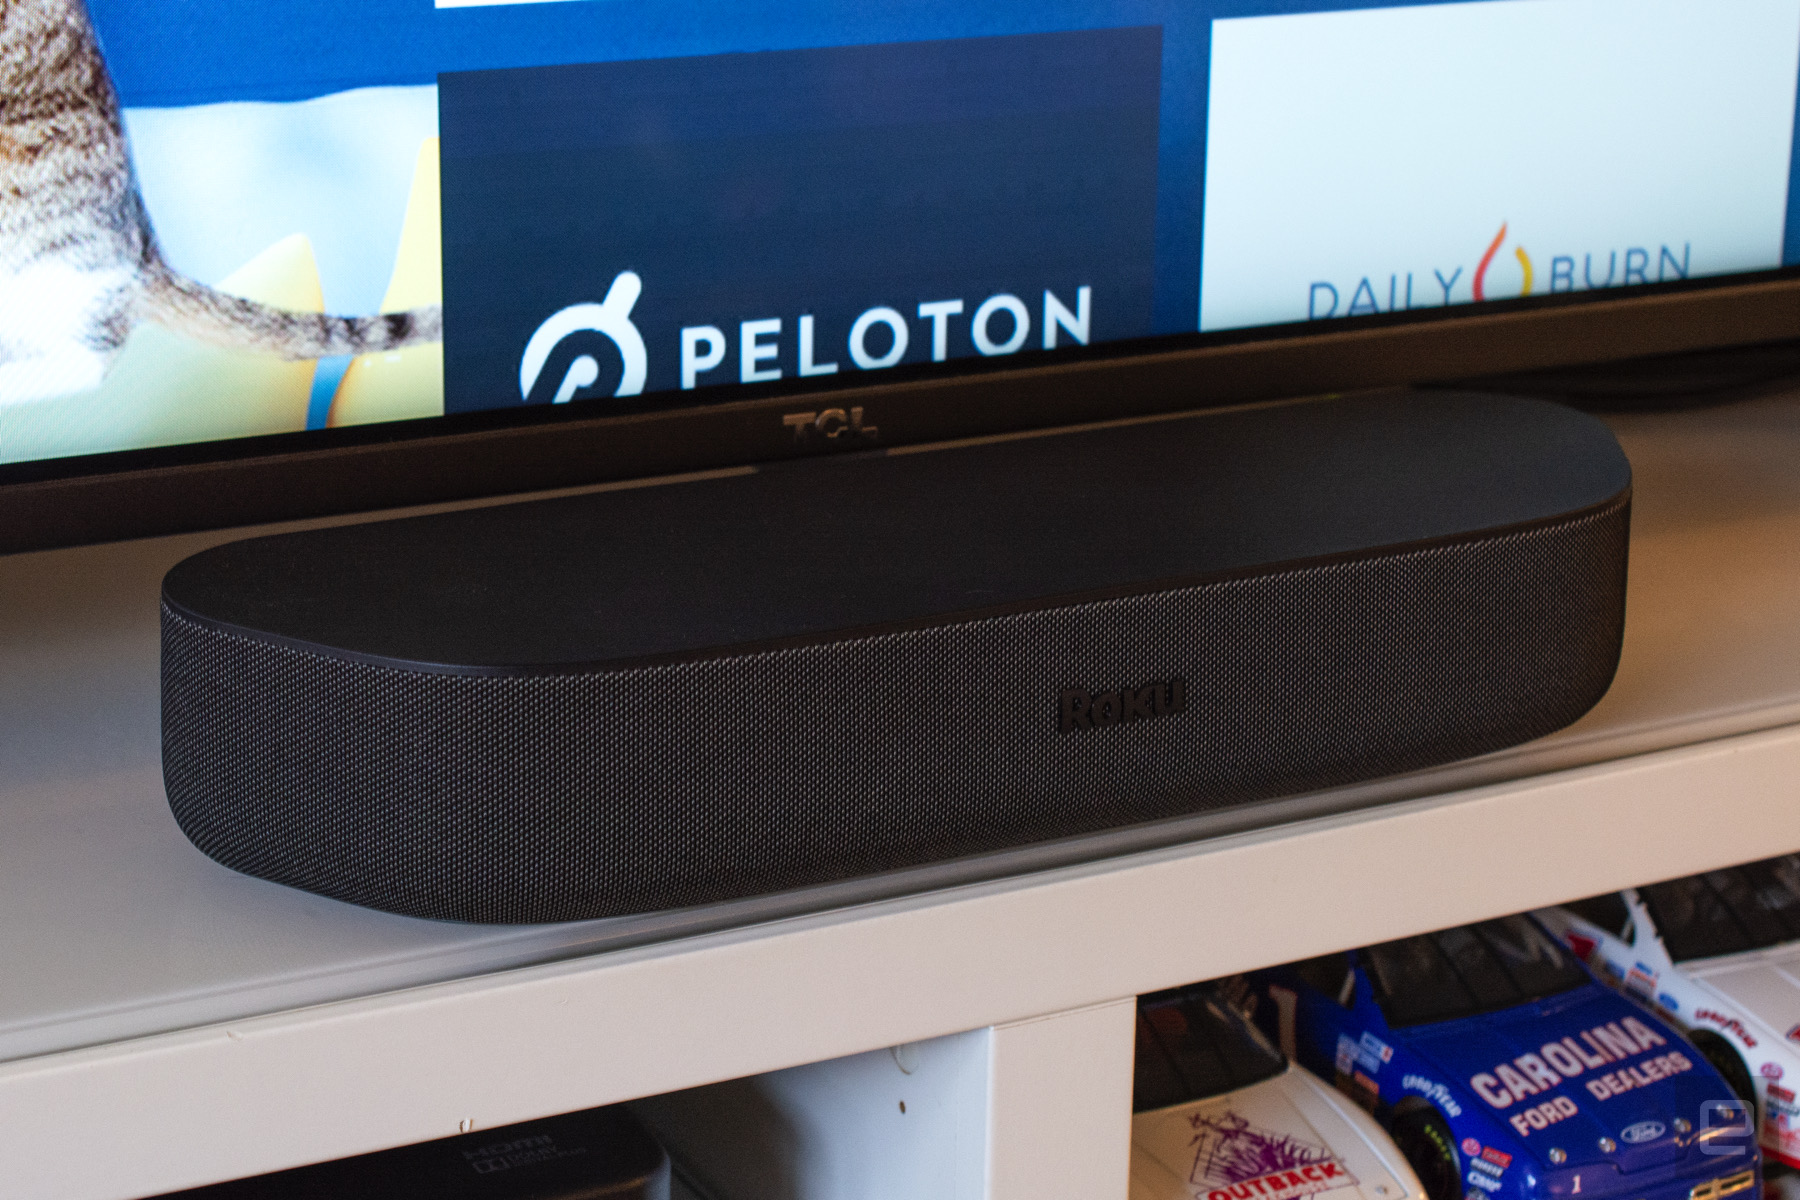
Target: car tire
{"points": [[1718, 1052], [1425, 1140]]}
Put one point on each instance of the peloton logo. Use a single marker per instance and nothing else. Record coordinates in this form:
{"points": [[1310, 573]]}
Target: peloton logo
{"points": [[611, 317], [876, 339], [1407, 290], [1078, 708], [879, 337]]}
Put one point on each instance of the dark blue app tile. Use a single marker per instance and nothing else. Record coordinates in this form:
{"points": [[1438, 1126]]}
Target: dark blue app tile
{"points": [[622, 229]]}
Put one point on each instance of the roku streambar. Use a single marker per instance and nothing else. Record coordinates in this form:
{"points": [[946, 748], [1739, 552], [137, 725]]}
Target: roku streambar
{"points": [[675, 695]]}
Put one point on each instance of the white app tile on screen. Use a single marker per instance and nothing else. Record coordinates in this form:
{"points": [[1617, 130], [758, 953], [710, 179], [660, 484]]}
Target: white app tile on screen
{"points": [[1648, 138]]}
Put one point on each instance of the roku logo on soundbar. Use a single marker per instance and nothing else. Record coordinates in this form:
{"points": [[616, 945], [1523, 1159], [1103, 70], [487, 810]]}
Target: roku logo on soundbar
{"points": [[1078, 708]]}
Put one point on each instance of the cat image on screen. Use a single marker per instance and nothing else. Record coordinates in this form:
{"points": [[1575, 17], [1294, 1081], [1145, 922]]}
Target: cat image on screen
{"points": [[79, 261]]}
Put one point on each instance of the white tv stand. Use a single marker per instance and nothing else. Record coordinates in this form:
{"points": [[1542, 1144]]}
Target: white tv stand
{"points": [[165, 1022]]}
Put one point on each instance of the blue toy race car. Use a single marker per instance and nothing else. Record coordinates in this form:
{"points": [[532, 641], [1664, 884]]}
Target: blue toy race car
{"points": [[1504, 1070]]}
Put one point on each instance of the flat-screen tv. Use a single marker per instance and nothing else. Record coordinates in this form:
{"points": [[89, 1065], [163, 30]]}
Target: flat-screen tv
{"points": [[266, 261]]}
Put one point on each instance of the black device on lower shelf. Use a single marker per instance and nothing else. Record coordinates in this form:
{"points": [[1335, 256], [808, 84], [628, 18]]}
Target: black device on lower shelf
{"points": [[679, 694], [598, 1154]]}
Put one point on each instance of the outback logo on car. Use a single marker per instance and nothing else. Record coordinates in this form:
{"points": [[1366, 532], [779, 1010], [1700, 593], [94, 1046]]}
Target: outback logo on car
{"points": [[1643, 1131]]}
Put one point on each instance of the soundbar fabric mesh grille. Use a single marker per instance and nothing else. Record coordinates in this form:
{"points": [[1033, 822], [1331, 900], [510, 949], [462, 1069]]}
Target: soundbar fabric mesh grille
{"points": [[554, 796]]}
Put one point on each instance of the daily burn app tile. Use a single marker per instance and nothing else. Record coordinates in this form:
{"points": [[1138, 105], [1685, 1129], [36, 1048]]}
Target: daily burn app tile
{"points": [[614, 229]]}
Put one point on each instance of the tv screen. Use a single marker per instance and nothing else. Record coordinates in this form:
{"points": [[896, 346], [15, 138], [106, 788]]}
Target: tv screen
{"points": [[232, 232]]}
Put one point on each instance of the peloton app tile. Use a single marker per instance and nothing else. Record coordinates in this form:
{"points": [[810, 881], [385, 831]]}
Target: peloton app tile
{"points": [[1381, 160], [621, 228]]}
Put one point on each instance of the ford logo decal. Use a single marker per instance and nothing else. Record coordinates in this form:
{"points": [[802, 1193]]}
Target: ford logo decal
{"points": [[1643, 1131]]}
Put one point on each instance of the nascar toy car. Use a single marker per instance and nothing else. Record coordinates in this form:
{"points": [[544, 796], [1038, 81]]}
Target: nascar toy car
{"points": [[1220, 1114], [1719, 955], [1503, 1069]]}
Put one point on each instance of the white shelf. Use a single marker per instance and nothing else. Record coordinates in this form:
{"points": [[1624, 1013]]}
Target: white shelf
{"points": [[168, 1022]]}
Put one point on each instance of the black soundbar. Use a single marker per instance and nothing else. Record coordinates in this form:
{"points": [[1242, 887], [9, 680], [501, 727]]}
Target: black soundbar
{"points": [[679, 694]]}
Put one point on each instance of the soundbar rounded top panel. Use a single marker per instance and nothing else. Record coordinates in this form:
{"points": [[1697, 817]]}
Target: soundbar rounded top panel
{"points": [[673, 695], [826, 547]]}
